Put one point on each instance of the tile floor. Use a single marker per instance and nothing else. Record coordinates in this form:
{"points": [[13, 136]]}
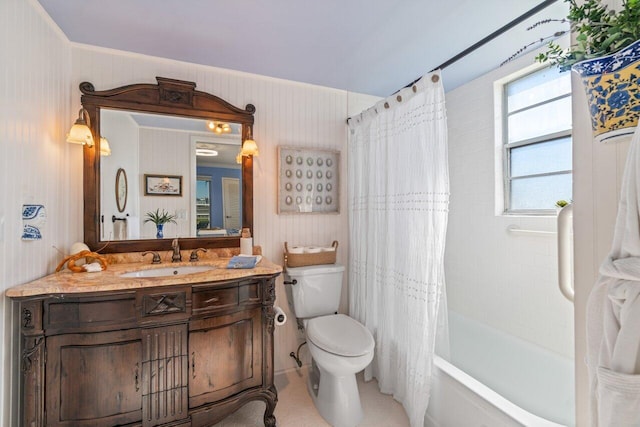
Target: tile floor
{"points": [[295, 407]]}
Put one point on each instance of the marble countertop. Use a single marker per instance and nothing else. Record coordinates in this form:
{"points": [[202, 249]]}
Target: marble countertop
{"points": [[67, 282]]}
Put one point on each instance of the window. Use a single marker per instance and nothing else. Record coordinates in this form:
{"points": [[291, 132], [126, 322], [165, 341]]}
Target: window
{"points": [[537, 165]]}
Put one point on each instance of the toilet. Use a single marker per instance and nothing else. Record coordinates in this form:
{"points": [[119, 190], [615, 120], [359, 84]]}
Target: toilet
{"points": [[340, 346]]}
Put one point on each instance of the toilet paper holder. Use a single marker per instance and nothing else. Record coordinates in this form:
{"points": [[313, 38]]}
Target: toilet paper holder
{"points": [[280, 317]]}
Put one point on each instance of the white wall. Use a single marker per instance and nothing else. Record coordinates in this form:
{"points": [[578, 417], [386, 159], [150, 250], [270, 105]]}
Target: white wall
{"points": [[287, 113], [36, 164], [505, 280], [166, 152], [122, 135]]}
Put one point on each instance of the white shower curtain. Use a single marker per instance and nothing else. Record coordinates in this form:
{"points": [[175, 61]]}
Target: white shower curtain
{"points": [[398, 209]]}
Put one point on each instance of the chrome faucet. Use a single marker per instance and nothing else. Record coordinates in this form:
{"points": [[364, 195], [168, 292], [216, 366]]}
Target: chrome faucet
{"points": [[176, 256]]}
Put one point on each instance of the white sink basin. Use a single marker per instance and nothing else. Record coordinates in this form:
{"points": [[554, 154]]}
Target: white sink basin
{"points": [[168, 271]]}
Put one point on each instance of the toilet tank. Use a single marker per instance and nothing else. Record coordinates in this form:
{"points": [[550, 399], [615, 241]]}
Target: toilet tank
{"points": [[317, 290]]}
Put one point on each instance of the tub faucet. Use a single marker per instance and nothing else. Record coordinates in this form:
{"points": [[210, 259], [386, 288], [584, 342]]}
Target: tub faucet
{"points": [[176, 256]]}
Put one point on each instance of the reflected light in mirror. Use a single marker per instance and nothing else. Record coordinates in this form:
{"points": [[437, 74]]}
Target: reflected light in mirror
{"points": [[219, 127], [105, 149], [207, 152]]}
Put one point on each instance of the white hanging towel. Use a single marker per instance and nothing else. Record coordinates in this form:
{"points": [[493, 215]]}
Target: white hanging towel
{"points": [[613, 313], [120, 229], [133, 227]]}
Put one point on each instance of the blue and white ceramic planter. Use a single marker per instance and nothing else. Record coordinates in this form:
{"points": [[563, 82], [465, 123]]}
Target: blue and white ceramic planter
{"points": [[612, 84]]}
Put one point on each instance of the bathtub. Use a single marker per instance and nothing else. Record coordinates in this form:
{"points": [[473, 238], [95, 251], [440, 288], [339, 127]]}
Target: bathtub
{"points": [[493, 379]]}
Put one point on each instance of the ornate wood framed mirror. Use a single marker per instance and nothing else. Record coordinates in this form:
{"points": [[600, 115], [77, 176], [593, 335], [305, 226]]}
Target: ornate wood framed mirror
{"points": [[158, 129]]}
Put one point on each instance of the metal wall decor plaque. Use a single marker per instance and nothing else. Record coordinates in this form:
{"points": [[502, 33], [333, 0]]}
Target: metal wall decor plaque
{"points": [[308, 180]]}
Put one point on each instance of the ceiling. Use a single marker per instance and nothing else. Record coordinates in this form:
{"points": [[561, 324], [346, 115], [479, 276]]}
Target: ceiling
{"points": [[373, 47]]}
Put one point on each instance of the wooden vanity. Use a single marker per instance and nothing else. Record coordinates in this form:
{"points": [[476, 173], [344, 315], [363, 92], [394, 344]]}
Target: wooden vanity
{"points": [[101, 350]]}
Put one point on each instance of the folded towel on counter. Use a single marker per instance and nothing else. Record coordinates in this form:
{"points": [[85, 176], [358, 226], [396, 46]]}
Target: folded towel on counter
{"points": [[244, 261]]}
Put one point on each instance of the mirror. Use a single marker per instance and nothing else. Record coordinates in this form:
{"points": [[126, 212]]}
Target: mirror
{"points": [[169, 158], [122, 189], [173, 148]]}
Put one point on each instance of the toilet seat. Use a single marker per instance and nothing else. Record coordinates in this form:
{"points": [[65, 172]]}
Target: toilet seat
{"points": [[340, 335]]}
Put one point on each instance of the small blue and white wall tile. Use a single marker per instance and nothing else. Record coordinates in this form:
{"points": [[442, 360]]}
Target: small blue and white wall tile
{"points": [[33, 219]]}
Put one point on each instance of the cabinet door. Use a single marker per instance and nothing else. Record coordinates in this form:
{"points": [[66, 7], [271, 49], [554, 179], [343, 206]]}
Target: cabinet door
{"points": [[94, 379], [225, 356]]}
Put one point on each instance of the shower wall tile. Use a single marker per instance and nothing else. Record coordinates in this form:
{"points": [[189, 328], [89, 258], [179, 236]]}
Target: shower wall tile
{"points": [[508, 281]]}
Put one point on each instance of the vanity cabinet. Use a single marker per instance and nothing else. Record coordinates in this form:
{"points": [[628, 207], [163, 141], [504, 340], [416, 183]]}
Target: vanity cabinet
{"points": [[184, 355]]}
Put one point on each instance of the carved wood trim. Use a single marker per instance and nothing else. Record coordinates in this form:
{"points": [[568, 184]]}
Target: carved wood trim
{"points": [[32, 366], [30, 316], [31, 354], [164, 303], [27, 318]]}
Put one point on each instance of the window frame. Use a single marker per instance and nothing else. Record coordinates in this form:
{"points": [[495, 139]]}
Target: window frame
{"points": [[508, 146]]}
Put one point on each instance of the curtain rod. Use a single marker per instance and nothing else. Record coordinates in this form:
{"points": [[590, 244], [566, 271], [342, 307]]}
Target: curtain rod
{"points": [[490, 37]]}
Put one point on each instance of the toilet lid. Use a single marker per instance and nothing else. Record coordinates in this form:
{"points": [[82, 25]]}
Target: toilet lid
{"points": [[340, 334]]}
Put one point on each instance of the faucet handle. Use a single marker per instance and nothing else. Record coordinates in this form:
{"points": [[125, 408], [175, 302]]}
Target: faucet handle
{"points": [[194, 254], [156, 256]]}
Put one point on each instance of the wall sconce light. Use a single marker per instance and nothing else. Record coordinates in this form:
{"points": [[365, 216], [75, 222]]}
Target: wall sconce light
{"points": [[105, 150], [249, 146], [80, 132]]}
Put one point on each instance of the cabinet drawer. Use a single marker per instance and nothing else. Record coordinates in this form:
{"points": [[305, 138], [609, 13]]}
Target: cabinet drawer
{"points": [[165, 302], [215, 299], [249, 292], [72, 313]]}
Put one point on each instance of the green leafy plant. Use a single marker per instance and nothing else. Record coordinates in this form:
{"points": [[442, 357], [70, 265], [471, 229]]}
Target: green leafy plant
{"points": [[600, 31], [158, 217], [561, 203]]}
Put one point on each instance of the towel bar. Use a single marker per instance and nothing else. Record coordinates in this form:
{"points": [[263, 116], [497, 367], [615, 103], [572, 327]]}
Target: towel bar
{"points": [[517, 230]]}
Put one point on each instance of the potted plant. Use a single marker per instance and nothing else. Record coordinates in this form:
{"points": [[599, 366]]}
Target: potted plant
{"points": [[606, 55], [561, 204], [159, 219]]}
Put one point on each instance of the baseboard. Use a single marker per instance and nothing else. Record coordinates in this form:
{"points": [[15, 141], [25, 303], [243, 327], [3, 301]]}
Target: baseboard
{"points": [[288, 370]]}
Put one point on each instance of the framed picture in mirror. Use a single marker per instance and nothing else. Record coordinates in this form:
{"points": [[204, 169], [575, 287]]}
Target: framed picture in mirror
{"points": [[162, 185]]}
